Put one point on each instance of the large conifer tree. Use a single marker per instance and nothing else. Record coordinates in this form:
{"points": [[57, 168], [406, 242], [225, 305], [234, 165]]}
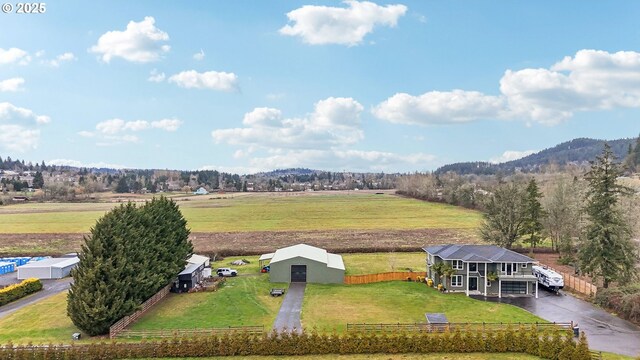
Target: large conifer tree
{"points": [[533, 213], [607, 251], [132, 253]]}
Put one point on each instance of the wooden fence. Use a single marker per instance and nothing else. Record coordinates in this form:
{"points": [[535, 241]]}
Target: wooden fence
{"points": [[426, 327], [576, 284], [172, 333], [121, 324], [388, 276]]}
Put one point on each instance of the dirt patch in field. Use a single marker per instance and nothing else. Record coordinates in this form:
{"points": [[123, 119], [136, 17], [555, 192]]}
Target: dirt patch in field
{"points": [[247, 243]]}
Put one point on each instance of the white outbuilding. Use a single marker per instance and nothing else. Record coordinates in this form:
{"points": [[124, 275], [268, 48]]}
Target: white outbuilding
{"points": [[53, 268]]}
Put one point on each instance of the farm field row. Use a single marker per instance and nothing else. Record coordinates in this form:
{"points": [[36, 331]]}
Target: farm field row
{"points": [[257, 212]]}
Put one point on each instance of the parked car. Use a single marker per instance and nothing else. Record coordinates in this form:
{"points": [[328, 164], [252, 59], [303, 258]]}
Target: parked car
{"points": [[226, 272]]}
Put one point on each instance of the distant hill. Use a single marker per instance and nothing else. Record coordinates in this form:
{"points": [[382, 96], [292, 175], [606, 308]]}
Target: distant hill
{"points": [[581, 150], [286, 172]]}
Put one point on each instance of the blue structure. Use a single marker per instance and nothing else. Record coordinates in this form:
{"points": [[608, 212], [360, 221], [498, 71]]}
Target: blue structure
{"points": [[7, 267], [18, 261]]}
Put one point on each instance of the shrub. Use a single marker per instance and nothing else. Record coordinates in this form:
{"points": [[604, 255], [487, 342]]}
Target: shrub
{"points": [[17, 291]]}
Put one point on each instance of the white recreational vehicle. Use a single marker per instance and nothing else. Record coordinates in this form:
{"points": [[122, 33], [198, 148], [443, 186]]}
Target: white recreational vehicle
{"points": [[548, 278]]}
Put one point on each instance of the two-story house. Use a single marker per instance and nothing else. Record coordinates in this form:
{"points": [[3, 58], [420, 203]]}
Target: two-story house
{"points": [[486, 270]]}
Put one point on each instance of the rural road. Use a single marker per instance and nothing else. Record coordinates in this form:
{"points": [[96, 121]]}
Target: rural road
{"points": [[604, 331], [289, 315], [49, 288]]}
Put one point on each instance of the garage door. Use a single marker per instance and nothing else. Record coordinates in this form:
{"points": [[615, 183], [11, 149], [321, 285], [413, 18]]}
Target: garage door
{"points": [[514, 287], [298, 273]]}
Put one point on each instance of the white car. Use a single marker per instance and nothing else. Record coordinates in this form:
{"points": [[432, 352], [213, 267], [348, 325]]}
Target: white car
{"points": [[226, 272]]}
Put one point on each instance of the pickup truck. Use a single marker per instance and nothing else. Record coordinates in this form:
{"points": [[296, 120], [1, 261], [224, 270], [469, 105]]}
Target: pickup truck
{"points": [[226, 272]]}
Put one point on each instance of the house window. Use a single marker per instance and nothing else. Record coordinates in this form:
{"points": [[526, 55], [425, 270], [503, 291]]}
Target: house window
{"points": [[456, 281], [457, 264], [473, 267], [488, 283]]}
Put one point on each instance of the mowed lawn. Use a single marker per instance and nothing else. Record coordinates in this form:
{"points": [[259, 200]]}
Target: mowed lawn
{"points": [[259, 212], [43, 322], [241, 301], [333, 306]]}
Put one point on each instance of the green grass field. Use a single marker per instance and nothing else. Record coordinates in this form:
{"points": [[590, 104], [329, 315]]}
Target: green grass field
{"points": [[242, 301], [332, 306], [43, 322], [373, 263], [258, 212]]}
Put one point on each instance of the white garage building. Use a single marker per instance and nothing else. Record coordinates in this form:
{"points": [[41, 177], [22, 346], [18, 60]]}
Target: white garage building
{"points": [[53, 268]]}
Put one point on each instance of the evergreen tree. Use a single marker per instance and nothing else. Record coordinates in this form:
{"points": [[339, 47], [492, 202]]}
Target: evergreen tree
{"points": [[99, 293], [633, 158], [607, 250], [131, 254], [533, 213], [38, 180], [122, 186], [504, 216]]}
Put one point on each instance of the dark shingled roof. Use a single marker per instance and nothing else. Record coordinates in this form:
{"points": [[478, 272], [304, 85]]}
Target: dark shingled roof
{"points": [[483, 253]]}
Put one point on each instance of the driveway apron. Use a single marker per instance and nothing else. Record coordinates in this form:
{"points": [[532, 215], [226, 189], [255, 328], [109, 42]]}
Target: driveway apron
{"points": [[605, 332], [288, 318]]}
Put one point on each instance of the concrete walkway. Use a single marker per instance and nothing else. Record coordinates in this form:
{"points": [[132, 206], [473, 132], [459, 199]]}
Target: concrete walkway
{"points": [[605, 332], [49, 288], [288, 318]]}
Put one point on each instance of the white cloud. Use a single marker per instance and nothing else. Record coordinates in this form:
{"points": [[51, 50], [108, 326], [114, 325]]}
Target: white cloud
{"points": [[156, 76], [12, 85], [213, 80], [141, 42], [10, 112], [511, 155], [319, 25], [321, 139], [167, 124], [14, 55], [66, 57], [589, 81], [437, 107], [80, 164], [334, 122], [87, 134], [17, 128], [199, 56], [115, 126]]}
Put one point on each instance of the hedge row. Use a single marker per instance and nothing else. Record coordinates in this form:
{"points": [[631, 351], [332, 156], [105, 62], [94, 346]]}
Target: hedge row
{"points": [[17, 291], [556, 345], [624, 300]]}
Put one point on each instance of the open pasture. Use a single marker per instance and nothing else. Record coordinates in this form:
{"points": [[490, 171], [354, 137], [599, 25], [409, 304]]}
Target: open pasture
{"points": [[251, 223]]}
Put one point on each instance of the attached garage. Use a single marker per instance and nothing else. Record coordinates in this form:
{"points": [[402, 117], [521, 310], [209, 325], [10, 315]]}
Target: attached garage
{"points": [[304, 263], [53, 268]]}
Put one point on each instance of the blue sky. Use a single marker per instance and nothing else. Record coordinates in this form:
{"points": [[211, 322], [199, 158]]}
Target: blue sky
{"points": [[246, 86]]}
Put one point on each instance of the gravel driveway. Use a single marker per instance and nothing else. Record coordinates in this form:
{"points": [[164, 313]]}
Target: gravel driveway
{"points": [[605, 332], [289, 315]]}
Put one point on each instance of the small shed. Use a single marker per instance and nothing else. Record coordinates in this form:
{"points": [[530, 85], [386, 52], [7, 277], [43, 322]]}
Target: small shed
{"points": [[304, 263], [7, 267], [52, 268], [201, 191], [199, 259], [192, 274]]}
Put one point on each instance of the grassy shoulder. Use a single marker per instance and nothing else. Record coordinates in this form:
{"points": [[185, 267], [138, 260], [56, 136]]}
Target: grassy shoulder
{"points": [[333, 306], [258, 212], [43, 322]]}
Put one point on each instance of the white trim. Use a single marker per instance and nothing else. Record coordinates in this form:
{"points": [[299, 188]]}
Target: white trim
{"points": [[457, 276], [457, 262]]}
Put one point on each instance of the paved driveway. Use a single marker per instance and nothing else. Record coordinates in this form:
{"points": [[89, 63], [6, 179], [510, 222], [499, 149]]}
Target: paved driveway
{"points": [[604, 331], [49, 288], [289, 315]]}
